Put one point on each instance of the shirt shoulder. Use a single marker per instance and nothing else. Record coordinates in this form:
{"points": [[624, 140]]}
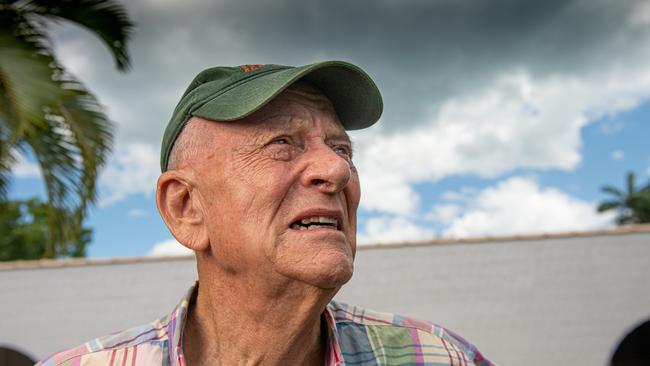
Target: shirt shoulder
{"points": [[142, 345], [368, 337]]}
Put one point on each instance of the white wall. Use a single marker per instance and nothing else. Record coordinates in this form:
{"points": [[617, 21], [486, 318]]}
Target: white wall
{"points": [[534, 302], [541, 302]]}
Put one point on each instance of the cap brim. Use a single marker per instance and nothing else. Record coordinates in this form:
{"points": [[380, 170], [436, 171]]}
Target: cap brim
{"points": [[354, 95]]}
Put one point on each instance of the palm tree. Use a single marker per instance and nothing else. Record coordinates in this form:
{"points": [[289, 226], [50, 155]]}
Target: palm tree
{"points": [[633, 204], [46, 110]]}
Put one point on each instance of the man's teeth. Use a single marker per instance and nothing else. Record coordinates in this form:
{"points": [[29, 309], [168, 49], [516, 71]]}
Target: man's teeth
{"points": [[315, 222], [319, 219]]}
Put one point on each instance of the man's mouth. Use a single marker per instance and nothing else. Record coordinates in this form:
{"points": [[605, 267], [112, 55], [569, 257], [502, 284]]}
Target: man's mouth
{"points": [[316, 222]]}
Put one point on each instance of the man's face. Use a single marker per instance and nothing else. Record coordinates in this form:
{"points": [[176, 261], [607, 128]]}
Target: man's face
{"points": [[280, 192]]}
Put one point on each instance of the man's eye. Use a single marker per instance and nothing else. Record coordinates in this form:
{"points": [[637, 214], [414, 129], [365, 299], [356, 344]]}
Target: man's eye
{"points": [[282, 148], [281, 141], [342, 150]]}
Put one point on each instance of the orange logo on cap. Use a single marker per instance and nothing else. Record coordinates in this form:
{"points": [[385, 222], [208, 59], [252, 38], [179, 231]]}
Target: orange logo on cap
{"points": [[249, 68]]}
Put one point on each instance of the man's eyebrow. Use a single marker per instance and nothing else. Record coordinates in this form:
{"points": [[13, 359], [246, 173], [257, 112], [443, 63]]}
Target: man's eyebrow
{"points": [[341, 135], [265, 129]]}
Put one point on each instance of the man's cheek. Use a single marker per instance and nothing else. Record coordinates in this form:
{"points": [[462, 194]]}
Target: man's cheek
{"points": [[353, 190]]}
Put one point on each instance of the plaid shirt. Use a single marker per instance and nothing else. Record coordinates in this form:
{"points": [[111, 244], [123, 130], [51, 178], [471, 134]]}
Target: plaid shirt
{"points": [[356, 337]]}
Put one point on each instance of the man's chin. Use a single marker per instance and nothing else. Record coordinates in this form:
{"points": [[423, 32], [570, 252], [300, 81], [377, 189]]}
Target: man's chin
{"points": [[333, 281], [328, 273], [324, 260], [331, 273]]}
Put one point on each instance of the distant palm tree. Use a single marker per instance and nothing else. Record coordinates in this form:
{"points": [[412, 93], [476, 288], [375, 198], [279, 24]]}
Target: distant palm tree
{"points": [[633, 204], [46, 111]]}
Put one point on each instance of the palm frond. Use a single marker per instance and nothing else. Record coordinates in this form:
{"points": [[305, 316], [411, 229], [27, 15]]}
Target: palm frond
{"points": [[7, 160], [54, 148], [613, 191], [26, 75], [44, 107], [37, 92], [26, 84], [90, 131], [631, 187], [645, 189], [608, 205], [106, 18]]}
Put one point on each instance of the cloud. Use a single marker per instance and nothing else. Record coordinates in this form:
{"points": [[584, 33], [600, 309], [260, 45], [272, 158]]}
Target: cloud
{"points": [[519, 205], [444, 213], [168, 247], [23, 168], [611, 127], [136, 213], [470, 88], [386, 191], [517, 122], [421, 53], [617, 155], [641, 15], [391, 229], [134, 169]]}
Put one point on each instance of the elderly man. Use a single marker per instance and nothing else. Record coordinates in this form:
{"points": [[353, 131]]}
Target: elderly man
{"points": [[258, 181]]}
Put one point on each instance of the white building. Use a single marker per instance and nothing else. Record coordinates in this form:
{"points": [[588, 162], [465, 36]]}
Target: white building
{"points": [[560, 299]]}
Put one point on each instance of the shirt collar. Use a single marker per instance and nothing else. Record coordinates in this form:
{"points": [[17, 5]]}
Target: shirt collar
{"points": [[176, 326], [178, 317], [333, 356]]}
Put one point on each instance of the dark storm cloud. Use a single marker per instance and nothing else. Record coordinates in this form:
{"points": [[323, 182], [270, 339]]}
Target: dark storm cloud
{"points": [[505, 64], [421, 52]]}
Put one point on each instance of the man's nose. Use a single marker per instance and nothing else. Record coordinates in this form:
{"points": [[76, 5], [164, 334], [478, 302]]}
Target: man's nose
{"points": [[326, 170]]}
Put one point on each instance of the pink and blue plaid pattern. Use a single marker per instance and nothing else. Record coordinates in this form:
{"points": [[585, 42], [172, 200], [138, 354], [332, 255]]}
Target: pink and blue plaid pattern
{"points": [[357, 337], [366, 338]]}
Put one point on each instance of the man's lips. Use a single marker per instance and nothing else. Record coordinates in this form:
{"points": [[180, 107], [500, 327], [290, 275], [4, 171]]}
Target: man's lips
{"points": [[317, 219]]}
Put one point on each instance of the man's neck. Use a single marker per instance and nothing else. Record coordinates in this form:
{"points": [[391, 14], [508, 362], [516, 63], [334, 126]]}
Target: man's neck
{"points": [[240, 325]]}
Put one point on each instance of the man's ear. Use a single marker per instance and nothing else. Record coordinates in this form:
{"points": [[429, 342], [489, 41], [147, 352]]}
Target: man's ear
{"points": [[181, 210]]}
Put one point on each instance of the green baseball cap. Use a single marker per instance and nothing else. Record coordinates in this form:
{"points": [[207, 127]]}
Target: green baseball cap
{"points": [[231, 93]]}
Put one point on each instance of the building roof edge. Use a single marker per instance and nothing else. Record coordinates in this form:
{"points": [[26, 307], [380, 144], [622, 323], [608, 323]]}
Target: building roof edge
{"points": [[75, 262]]}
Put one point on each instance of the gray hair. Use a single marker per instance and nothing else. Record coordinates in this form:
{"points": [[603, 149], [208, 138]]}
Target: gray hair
{"points": [[189, 144]]}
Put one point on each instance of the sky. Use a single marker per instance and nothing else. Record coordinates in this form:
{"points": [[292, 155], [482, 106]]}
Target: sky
{"points": [[500, 117]]}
